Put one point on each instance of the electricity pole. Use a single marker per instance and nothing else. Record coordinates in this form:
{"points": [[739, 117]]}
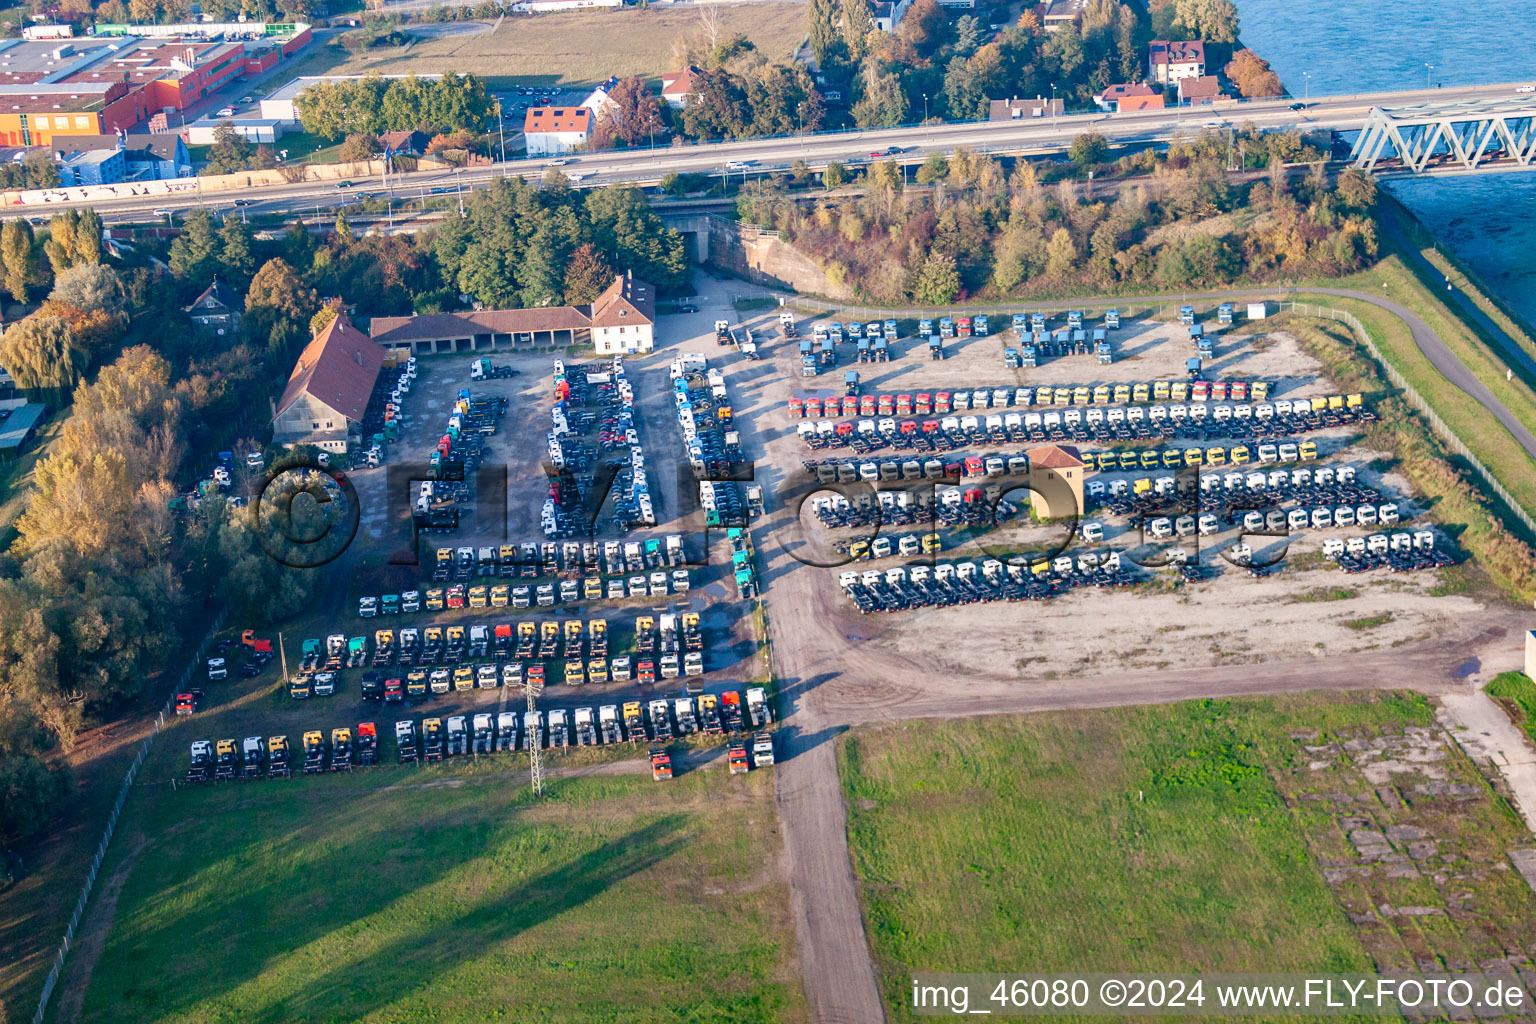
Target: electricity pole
{"points": [[535, 755]]}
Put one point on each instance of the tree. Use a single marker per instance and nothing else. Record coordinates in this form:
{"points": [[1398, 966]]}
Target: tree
{"points": [[31, 794], [1212, 20], [231, 152], [357, 147], [278, 307], [835, 175], [236, 260], [90, 286], [194, 253], [857, 24], [635, 115], [716, 108], [39, 169], [934, 168], [88, 232], [40, 354], [825, 35], [18, 256], [1356, 188], [939, 280], [587, 274], [323, 316], [886, 176], [1060, 255], [1252, 76], [62, 246], [881, 99], [1088, 148]]}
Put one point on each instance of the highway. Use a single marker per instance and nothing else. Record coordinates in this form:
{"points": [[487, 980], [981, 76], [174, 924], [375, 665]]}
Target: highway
{"points": [[910, 144]]}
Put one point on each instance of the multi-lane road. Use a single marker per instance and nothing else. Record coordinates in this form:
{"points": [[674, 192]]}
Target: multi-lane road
{"points": [[754, 156]]}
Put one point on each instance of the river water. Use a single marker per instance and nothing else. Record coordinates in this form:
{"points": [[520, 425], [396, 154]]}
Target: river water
{"points": [[1350, 46]]}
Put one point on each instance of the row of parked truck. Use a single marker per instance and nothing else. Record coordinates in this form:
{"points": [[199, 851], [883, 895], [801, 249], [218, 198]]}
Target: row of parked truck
{"points": [[946, 584], [939, 403], [660, 720], [542, 595]]}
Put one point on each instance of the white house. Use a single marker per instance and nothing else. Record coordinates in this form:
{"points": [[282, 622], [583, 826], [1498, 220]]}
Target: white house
{"points": [[887, 14], [555, 131], [676, 86], [598, 99], [624, 317], [1171, 61]]}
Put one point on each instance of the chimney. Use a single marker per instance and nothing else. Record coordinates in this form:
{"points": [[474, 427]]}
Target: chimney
{"points": [[358, 355]]}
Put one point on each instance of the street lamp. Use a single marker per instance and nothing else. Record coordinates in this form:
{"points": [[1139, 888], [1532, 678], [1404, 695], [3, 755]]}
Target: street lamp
{"points": [[925, 108], [1053, 105], [1428, 68], [501, 129], [1307, 96]]}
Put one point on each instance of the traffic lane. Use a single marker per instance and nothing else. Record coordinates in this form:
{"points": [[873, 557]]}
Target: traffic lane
{"points": [[1147, 127]]}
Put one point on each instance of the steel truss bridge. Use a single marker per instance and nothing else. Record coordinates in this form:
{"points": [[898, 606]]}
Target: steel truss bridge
{"points": [[1474, 133]]}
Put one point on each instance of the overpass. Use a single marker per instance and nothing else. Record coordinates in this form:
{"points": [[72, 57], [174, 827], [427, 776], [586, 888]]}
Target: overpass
{"points": [[907, 143]]}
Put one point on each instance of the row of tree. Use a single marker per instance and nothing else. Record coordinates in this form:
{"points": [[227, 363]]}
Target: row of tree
{"points": [[982, 229], [334, 110]]}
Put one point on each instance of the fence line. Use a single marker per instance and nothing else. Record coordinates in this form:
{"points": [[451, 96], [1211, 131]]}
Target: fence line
{"points": [[1446, 434], [117, 809]]}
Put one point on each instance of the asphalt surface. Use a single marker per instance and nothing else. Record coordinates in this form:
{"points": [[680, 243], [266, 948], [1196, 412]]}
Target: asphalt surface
{"points": [[754, 156]]}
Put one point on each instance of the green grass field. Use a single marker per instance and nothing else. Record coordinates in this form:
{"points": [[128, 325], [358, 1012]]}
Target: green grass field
{"points": [[575, 48], [1181, 837], [442, 895]]}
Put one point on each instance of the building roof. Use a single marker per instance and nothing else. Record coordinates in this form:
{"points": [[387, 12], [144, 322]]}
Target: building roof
{"points": [[1054, 456], [338, 368], [1177, 52], [627, 301], [1124, 89], [391, 330], [397, 142], [1039, 106], [15, 428], [1206, 87], [680, 83], [220, 293], [161, 145], [557, 119], [90, 156]]}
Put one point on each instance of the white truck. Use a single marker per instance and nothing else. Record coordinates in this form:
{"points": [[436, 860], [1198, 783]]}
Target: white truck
{"points": [[757, 707], [586, 728], [608, 722], [682, 710], [484, 735], [559, 731], [506, 730], [533, 730], [762, 749], [458, 736]]}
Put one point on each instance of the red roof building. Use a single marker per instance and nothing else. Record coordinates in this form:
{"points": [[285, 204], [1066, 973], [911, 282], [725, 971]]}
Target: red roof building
{"points": [[677, 85], [329, 389], [1168, 61], [552, 131], [1126, 97]]}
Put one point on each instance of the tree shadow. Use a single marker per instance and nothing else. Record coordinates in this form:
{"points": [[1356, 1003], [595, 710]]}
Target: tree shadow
{"points": [[358, 989]]}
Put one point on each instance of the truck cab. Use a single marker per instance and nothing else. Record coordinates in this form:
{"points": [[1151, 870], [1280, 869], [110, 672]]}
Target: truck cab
{"points": [[661, 764], [737, 758]]}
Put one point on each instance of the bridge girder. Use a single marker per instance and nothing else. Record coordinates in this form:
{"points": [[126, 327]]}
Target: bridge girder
{"points": [[1472, 134]]}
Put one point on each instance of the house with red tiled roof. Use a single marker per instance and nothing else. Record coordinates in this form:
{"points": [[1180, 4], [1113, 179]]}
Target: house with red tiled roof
{"points": [[1168, 62], [623, 317], [677, 85], [555, 131], [1199, 92], [1055, 481], [329, 389], [1117, 99]]}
